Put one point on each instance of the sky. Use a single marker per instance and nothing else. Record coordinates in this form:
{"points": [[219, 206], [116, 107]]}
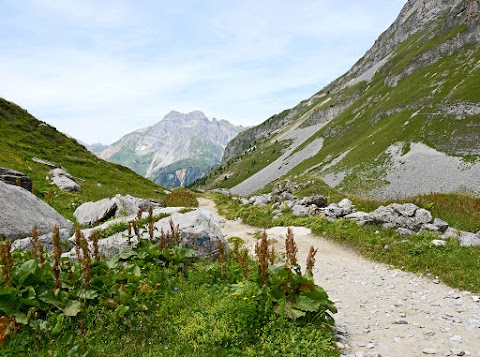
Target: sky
{"points": [[99, 69]]}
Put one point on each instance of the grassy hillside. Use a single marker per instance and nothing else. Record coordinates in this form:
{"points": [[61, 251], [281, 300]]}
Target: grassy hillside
{"points": [[24, 137]]}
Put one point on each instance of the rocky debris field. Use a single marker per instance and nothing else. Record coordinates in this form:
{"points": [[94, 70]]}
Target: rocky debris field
{"points": [[407, 218], [382, 312]]}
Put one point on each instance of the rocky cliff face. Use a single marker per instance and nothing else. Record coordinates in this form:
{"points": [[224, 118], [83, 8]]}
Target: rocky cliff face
{"points": [[417, 87], [177, 150]]}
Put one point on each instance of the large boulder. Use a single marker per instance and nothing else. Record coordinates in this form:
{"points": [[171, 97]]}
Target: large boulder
{"points": [[317, 200], [90, 212], [20, 211], [13, 177], [199, 230], [300, 211], [405, 215], [47, 241], [468, 239], [129, 205], [64, 181]]}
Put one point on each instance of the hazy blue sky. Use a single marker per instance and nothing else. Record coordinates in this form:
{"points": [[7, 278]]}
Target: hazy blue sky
{"points": [[98, 69]]}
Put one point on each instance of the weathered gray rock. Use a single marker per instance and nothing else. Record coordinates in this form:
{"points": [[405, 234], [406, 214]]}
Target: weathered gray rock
{"points": [[20, 211], [43, 162], [439, 242], [64, 181], [244, 201], [129, 205], [385, 215], [334, 211], [66, 184], [441, 224], [405, 232], [89, 212], [11, 177], [299, 211], [199, 230], [451, 233], [46, 240], [261, 200], [114, 245], [406, 209], [317, 200], [345, 203], [468, 239], [405, 215], [430, 228], [360, 217]]}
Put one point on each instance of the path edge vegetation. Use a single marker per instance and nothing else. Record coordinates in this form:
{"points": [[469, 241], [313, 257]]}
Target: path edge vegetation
{"points": [[456, 266]]}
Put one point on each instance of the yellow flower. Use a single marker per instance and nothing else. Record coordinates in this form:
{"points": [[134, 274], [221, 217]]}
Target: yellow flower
{"points": [[245, 298], [253, 296]]}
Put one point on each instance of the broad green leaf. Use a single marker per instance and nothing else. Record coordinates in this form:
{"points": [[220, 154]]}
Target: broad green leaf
{"points": [[112, 263], [127, 254], [21, 318], [306, 304], [9, 304], [87, 294], [121, 310], [58, 325], [73, 308], [293, 313], [24, 271]]}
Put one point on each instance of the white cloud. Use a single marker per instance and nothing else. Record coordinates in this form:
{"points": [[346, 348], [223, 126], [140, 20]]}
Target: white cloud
{"points": [[99, 69]]}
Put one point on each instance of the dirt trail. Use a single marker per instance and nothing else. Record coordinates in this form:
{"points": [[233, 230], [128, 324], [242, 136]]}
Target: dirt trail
{"points": [[382, 311]]}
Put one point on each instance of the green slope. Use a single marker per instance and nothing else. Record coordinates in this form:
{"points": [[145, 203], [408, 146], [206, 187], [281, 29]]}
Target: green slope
{"points": [[24, 137], [418, 95]]}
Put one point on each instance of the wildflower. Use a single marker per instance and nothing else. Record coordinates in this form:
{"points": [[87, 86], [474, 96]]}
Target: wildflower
{"points": [[245, 298], [157, 284], [175, 288]]}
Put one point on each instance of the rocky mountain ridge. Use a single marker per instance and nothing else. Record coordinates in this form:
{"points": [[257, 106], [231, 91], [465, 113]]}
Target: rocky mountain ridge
{"points": [[412, 96], [176, 151]]}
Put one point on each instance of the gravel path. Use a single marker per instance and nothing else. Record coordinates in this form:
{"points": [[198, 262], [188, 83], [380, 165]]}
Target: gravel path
{"points": [[382, 311]]}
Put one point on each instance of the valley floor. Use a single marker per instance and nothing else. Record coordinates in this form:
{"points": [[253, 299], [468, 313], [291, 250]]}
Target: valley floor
{"points": [[381, 311]]}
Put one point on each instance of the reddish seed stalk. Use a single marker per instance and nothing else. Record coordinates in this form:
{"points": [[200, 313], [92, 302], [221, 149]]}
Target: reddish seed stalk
{"points": [[262, 255], [57, 252], [311, 260], [6, 261], [291, 248], [221, 258]]}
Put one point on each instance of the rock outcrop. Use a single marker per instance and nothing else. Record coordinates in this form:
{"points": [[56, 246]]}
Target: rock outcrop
{"points": [[64, 181], [21, 211], [16, 178], [199, 230], [90, 213]]}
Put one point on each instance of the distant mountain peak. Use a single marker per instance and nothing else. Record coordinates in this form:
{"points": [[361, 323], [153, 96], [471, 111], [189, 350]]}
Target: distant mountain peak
{"points": [[189, 143]]}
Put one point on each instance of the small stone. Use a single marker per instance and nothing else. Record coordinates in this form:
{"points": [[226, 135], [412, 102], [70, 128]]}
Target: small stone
{"points": [[429, 333], [371, 346], [340, 345], [439, 242], [456, 338], [457, 352], [401, 322], [429, 351]]}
